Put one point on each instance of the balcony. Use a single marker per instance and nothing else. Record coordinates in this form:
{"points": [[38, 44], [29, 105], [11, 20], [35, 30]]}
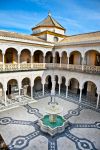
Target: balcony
{"points": [[36, 66], [72, 67]]}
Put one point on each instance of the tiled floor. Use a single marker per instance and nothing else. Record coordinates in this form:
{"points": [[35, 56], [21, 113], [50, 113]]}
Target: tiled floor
{"points": [[20, 130]]}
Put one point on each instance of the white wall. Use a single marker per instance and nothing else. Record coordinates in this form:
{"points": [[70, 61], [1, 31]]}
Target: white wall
{"points": [[52, 29]]}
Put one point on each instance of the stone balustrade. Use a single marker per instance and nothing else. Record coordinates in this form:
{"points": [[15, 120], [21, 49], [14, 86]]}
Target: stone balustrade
{"points": [[25, 66], [92, 68], [38, 66], [75, 67], [32, 66], [10, 67], [1, 67]]}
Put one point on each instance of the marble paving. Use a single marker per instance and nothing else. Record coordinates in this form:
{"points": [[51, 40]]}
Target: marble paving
{"points": [[20, 130]]}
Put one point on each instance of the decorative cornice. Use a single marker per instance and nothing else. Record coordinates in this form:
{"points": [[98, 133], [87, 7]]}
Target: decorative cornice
{"points": [[49, 32], [47, 27], [5, 40], [78, 43]]}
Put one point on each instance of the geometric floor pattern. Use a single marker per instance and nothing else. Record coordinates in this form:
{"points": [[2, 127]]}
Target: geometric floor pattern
{"points": [[23, 133]]}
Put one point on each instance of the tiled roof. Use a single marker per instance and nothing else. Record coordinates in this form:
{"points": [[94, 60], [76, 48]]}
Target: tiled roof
{"points": [[20, 36], [49, 21], [82, 37]]}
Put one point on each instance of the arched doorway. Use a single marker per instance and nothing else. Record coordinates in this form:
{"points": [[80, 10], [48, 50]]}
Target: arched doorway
{"points": [[11, 56], [1, 94], [1, 57], [49, 57], [12, 89], [57, 58], [48, 85], [37, 89], [73, 89], [64, 59], [63, 86], [38, 56], [75, 58], [92, 57], [25, 56], [26, 87], [56, 84], [89, 93]]}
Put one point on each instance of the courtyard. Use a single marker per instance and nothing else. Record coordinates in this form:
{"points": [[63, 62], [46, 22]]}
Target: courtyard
{"points": [[20, 130]]}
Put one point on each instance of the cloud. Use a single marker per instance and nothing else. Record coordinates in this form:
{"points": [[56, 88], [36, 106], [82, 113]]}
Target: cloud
{"points": [[88, 11], [69, 21], [17, 19], [43, 3]]}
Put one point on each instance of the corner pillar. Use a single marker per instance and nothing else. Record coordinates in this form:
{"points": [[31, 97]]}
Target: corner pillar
{"points": [[3, 61], [80, 95], [68, 62], [66, 91], [18, 60], [98, 100], [82, 63], [5, 96]]}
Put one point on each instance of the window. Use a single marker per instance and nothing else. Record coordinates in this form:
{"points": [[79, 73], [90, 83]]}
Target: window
{"points": [[55, 39]]}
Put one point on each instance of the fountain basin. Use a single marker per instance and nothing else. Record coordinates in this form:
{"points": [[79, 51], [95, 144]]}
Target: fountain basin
{"points": [[53, 128]]}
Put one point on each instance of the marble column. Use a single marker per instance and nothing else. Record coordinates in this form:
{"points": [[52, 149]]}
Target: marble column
{"points": [[5, 97], [98, 99], [31, 61], [82, 63], [59, 88], [31, 92], [53, 62], [43, 59], [53, 87], [66, 91], [80, 96], [3, 61], [43, 88], [18, 61], [68, 62], [60, 61]]}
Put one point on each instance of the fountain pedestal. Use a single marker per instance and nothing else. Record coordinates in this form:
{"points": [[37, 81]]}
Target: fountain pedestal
{"points": [[52, 118]]}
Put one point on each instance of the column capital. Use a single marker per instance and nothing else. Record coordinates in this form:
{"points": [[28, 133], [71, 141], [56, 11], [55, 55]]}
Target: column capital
{"points": [[83, 55], [68, 55], [44, 54], [59, 81], [32, 81], [19, 53], [43, 81], [67, 83], [53, 54], [5, 87], [98, 92], [60, 55], [80, 87], [3, 53]]}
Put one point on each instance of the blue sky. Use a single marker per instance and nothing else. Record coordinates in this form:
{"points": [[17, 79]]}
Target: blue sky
{"points": [[77, 16]]}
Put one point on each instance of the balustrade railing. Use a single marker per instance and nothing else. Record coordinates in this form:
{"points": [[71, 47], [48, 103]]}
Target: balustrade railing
{"points": [[75, 67], [32, 66], [1, 67], [38, 66], [24, 66], [10, 67], [91, 68]]}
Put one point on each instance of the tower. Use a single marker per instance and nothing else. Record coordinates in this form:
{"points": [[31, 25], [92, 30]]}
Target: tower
{"points": [[49, 30]]}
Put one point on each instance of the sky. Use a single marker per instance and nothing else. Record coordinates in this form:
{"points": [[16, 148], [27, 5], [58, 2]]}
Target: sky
{"points": [[77, 16]]}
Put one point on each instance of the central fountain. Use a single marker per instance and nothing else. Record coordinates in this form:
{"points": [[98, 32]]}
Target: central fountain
{"points": [[53, 122]]}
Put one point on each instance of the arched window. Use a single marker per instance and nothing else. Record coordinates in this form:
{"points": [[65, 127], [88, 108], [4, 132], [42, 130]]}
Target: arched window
{"points": [[55, 39]]}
